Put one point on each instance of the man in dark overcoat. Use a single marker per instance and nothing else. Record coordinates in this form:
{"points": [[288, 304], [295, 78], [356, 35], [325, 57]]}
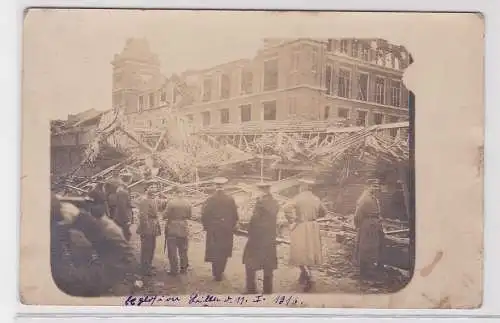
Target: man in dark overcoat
{"points": [[370, 233], [260, 250], [120, 206], [219, 218]]}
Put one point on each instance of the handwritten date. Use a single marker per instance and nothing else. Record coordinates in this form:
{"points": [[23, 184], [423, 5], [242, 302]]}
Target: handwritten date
{"points": [[206, 300]]}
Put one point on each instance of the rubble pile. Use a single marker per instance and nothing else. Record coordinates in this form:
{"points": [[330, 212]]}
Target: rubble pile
{"points": [[181, 155], [297, 148], [183, 159]]}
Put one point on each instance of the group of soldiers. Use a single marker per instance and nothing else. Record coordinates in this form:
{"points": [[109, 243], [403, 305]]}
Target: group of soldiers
{"points": [[106, 224]]}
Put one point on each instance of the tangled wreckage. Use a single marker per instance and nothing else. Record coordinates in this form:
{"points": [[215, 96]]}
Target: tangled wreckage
{"points": [[341, 157]]}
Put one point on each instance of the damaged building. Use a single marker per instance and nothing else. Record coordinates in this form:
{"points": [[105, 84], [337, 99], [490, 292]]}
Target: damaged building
{"points": [[355, 79], [335, 110]]}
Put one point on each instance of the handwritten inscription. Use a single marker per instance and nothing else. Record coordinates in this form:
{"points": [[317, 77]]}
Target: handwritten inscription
{"points": [[288, 301], [206, 300], [151, 300]]}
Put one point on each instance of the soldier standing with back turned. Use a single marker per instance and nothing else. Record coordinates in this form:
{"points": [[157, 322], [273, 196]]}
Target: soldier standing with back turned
{"points": [[219, 218], [370, 232], [260, 250], [177, 214], [148, 229], [305, 238]]}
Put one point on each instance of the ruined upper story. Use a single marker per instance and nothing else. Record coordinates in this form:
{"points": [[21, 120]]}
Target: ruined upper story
{"points": [[367, 70]]}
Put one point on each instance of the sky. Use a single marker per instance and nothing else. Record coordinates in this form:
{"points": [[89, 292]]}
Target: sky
{"points": [[67, 54]]}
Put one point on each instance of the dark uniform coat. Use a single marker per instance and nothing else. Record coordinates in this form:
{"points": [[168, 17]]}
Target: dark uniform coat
{"points": [[120, 207], [370, 236], [219, 218], [260, 250], [100, 205]]}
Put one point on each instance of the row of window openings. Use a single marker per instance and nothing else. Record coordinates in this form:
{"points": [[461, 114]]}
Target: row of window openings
{"points": [[361, 118], [271, 83], [379, 95], [344, 90], [344, 86], [271, 75], [246, 88], [152, 99], [269, 113], [361, 51]]}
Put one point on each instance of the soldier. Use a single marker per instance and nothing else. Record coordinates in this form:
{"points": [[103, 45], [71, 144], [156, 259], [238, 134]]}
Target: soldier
{"points": [[305, 240], [148, 229], [260, 250], [219, 218], [123, 210], [120, 206], [176, 233], [98, 195], [370, 234]]}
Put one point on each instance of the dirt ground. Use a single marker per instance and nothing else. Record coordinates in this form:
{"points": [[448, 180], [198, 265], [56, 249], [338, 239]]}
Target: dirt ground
{"points": [[338, 274]]}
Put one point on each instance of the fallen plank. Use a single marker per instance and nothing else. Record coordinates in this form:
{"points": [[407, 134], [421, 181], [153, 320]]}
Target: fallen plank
{"points": [[397, 231], [76, 188]]}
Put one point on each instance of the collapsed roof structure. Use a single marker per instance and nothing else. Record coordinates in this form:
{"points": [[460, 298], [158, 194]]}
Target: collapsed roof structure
{"points": [[176, 155]]}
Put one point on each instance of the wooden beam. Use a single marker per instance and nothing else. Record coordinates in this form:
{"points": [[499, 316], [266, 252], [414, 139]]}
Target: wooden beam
{"points": [[136, 183], [172, 183], [75, 188], [246, 142], [162, 137], [405, 191], [137, 140], [240, 141], [397, 231]]}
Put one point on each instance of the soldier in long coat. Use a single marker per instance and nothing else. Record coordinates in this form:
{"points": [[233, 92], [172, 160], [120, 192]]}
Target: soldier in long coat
{"points": [[219, 218], [305, 240], [370, 234], [260, 250], [120, 207]]}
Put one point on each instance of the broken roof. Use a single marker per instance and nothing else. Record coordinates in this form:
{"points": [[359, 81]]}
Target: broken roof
{"points": [[253, 127], [75, 120]]}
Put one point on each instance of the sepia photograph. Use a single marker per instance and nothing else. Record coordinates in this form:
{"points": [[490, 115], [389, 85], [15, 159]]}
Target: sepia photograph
{"points": [[230, 163]]}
